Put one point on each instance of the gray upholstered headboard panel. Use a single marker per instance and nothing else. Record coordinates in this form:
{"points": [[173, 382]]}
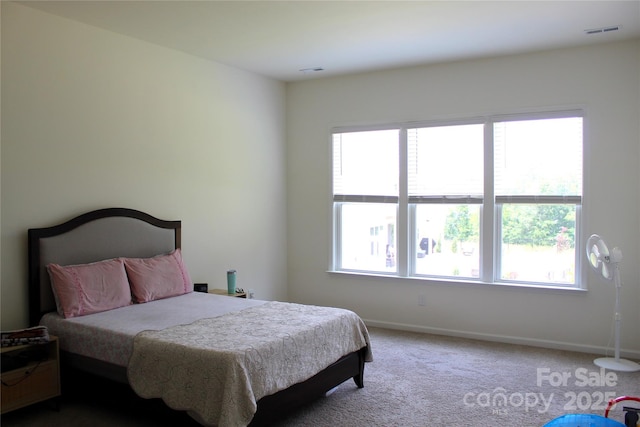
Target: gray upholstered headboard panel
{"points": [[94, 236]]}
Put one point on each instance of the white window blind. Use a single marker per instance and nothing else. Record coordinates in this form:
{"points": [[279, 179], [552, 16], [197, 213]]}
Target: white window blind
{"points": [[445, 164], [538, 161], [366, 166]]}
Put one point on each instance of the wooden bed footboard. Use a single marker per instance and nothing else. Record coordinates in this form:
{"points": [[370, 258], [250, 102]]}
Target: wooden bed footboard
{"points": [[273, 406], [270, 408]]}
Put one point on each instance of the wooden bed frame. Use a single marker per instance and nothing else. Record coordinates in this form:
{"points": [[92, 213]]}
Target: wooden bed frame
{"points": [[121, 232]]}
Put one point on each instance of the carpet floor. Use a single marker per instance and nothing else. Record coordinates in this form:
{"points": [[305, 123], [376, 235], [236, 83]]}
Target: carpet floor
{"points": [[415, 380]]}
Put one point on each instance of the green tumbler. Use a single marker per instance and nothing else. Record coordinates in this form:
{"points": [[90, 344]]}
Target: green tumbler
{"points": [[231, 281]]}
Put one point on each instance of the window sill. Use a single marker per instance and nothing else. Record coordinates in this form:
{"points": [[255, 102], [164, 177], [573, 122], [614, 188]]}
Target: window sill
{"points": [[453, 282]]}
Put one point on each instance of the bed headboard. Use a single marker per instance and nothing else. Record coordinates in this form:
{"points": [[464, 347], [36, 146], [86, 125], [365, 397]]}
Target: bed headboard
{"points": [[93, 236]]}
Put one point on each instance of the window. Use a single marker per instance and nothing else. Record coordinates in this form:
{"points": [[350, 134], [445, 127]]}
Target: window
{"points": [[491, 200], [445, 182], [365, 186]]}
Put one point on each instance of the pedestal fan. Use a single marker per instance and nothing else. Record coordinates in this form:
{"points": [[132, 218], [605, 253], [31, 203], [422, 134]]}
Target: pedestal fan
{"points": [[606, 263]]}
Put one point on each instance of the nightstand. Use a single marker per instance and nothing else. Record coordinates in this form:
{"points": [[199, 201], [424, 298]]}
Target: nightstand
{"points": [[38, 380], [224, 292]]}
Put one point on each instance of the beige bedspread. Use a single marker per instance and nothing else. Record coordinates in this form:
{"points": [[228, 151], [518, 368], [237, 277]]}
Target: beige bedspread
{"points": [[220, 367]]}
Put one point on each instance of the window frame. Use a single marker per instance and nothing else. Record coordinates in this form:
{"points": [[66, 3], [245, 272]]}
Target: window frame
{"points": [[338, 201], [490, 208]]}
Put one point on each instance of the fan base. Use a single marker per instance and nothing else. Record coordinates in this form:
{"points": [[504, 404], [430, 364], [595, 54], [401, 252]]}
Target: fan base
{"points": [[617, 364]]}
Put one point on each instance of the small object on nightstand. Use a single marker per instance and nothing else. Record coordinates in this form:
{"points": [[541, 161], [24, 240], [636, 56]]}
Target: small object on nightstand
{"points": [[224, 292], [201, 287], [231, 281]]}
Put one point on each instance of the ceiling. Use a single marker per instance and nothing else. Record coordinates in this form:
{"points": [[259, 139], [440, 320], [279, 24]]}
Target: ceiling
{"points": [[278, 39]]}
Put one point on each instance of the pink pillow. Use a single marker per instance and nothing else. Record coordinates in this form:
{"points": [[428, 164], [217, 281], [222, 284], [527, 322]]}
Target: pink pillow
{"points": [[89, 288], [159, 277]]}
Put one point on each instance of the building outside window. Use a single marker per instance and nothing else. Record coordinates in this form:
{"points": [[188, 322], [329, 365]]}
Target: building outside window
{"points": [[490, 200]]}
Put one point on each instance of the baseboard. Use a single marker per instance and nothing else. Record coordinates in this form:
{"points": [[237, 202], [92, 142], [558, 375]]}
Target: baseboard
{"points": [[556, 345]]}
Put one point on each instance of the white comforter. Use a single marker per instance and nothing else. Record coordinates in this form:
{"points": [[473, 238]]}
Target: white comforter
{"points": [[220, 367]]}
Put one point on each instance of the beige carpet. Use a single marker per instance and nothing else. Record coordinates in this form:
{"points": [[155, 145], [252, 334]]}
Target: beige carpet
{"points": [[414, 380], [428, 380]]}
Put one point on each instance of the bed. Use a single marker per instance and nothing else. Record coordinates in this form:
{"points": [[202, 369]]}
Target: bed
{"points": [[226, 361]]}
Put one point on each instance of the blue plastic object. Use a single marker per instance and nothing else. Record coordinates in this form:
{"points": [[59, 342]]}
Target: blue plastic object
{"points": [[583, 420]]}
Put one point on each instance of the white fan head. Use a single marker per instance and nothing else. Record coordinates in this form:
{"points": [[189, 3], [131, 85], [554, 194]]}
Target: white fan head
{"points": [[600, 259]]}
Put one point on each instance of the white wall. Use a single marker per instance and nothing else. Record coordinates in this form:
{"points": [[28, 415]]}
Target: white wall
{"points": [[604, 79], [92, 119]]}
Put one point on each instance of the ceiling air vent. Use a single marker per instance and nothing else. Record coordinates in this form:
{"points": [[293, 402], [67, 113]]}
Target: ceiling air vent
{"points": [[603, 30], [311, 70]]}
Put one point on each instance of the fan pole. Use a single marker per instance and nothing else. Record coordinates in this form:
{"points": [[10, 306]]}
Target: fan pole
{"points": [[615, 363], [617, 315]]}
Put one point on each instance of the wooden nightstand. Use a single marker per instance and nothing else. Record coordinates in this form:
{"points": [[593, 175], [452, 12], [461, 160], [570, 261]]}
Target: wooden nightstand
{"points": [[224, 292], [37, 381]]}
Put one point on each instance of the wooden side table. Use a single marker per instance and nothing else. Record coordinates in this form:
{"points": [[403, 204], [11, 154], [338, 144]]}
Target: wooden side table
{"points": [[224, 292], [37, 381]]}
